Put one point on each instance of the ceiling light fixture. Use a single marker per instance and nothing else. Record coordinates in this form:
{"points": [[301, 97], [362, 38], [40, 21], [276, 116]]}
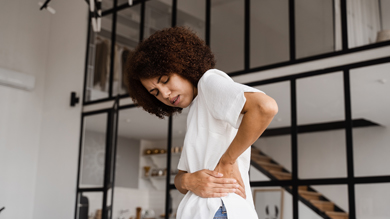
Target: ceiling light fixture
{"points": [[46, 6]]}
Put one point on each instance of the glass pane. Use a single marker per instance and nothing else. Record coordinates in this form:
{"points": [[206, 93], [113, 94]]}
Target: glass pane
{"points": [[227, 34], [98, 74], [179, 129], [269, 32], [319, 201], [90, 205], [107, 4], [127, 37], [192, 14], [371, 106], [141, 145], [372, 201], [272, 202], [271, 155], [321, 133], [93, 151], [368, 22], [122, 2], [317, 27], [158, 15]]}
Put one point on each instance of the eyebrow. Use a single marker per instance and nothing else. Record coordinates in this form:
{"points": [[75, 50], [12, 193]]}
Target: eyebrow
{"points": [[158, 81]]}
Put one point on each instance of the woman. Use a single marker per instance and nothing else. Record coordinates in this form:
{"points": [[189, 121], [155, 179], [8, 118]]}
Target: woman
{"points": [[172, 70]]}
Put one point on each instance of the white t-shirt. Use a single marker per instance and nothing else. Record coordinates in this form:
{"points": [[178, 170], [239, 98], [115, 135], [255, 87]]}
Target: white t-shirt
{"points": [[212, 123]]}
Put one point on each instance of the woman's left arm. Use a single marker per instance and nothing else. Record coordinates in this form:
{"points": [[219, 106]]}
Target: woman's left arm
{"points": [[259, 110]]}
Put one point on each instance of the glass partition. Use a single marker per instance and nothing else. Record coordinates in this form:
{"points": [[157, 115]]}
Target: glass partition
{"points": [[127, 38], [140, 175], [192, 14], [372, 199], [89, 205], [318, 27], [99, 59], [321, 129], [371, 106], [271, 153], [272, 202], [93, 151], [227, 34], [158, 15], [329, 201], [368, 22], [269, 34]]}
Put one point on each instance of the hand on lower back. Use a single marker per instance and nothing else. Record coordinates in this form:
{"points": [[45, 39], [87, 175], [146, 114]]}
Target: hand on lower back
{"points": [[209, 184], [232, 171]]}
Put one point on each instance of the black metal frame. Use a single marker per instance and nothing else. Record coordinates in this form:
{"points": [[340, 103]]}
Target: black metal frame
{"points": [[350, 180], [109, 160]]}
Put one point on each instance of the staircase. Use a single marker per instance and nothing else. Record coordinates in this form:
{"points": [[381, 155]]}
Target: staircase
{"points": [[307, 195]]}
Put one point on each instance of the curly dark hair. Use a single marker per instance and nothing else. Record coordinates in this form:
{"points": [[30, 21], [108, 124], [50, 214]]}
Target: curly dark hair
{"points": [[171, 50]]}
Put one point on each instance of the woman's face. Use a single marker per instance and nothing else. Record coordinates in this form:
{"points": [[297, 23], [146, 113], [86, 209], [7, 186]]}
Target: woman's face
{"points": [[172, 90]]}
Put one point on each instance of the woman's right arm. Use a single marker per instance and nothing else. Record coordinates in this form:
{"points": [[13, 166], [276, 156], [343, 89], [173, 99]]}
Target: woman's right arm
{"points": [[205, 183]]}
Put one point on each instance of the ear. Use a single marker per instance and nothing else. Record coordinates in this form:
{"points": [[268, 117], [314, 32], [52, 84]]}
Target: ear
{"points": [[266, 210], [276, 211]]}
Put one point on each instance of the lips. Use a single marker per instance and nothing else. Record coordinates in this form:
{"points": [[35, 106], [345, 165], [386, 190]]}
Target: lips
{"points": [[175, 100]]}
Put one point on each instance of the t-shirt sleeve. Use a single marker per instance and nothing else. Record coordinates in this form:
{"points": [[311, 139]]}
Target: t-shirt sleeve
{"points": [[224, 98]]}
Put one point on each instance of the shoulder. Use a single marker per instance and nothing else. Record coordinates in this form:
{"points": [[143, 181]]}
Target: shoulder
{"points": [[213, 76]]}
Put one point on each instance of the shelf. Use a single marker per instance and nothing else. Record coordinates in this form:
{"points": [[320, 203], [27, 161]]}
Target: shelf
{"points": [[318, 127], [160, 160], [161, 155]]}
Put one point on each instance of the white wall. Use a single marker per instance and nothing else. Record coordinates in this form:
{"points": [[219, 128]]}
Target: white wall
{"points": [[60, 129], [23, 47], [39, 131]]}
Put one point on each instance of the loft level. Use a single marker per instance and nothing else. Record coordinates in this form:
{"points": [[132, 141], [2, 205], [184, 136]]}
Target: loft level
{"points": [[319, 127]]}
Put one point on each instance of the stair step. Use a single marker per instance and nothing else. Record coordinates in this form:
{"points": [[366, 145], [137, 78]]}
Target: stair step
{"points": [[281, 175], [337, 215], [255, 150], [300, 188], [308, 195], [323, 205], [259, 157], [269, 166]]}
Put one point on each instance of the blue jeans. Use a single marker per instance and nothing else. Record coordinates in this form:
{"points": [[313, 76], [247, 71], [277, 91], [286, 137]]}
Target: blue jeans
{"points": [[221, 213]]}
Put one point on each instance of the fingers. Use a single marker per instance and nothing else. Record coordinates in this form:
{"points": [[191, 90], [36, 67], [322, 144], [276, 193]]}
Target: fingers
{"points": [[225, 181], [241, 192], [214, 173]]}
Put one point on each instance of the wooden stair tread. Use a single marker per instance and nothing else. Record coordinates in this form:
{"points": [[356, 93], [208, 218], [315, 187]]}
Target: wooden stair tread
{"points": [[300, 188], [321, 202], [280, 173], [262, 163], [309, 193], [336, 213], [260, 157], [323, 205]]}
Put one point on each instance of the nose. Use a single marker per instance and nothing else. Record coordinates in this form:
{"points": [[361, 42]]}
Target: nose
{"points": [[165, 92]]}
